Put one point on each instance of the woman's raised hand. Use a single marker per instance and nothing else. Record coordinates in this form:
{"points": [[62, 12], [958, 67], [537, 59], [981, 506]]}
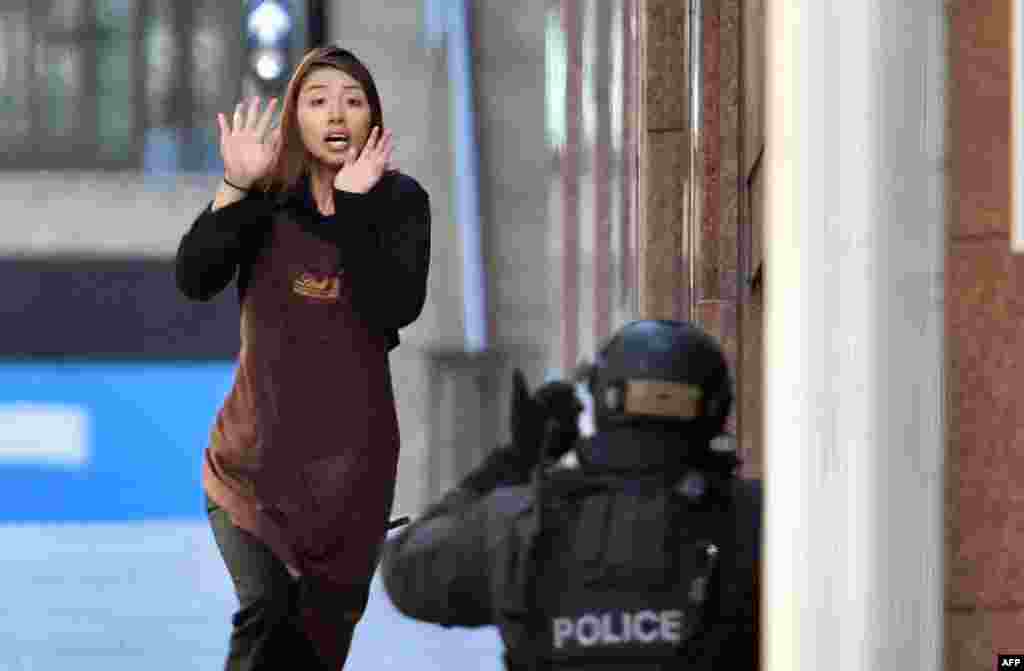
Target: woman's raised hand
{"points": [[245, 146], [363, 170]]}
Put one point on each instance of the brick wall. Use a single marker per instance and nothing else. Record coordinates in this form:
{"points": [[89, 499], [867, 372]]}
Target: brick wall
{"points": [[984, 283]]}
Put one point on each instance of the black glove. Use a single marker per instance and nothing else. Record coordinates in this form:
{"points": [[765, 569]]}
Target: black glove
{"points": [[549, 419], [545, 420]]}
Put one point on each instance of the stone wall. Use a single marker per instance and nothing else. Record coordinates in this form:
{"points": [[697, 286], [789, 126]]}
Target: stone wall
{"points": [[697, 231], [984, 527]]}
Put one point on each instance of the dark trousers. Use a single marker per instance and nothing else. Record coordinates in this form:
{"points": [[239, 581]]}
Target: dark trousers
{"points": [[265, 631]]}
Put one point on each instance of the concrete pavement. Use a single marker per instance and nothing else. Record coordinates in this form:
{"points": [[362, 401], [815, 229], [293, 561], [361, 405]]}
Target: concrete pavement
{"points": [[154, 595]]}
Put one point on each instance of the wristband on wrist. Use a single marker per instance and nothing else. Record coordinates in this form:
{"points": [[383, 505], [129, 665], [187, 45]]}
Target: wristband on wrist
{"points": [[235, 186]]}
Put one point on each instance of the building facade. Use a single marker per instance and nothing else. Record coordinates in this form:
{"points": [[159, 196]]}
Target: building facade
{"points": [[984, 589], [962, 52]]}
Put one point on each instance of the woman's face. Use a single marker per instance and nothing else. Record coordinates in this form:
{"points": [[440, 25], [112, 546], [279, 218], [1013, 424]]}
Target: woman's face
{"points": [[333, 116]]}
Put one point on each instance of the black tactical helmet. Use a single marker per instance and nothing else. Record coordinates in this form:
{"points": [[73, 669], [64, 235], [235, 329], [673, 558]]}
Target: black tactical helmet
{"points": [[661, 371]]}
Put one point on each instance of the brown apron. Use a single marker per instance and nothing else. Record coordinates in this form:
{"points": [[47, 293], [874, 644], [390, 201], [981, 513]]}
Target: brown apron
{"points": [[304, 450]]}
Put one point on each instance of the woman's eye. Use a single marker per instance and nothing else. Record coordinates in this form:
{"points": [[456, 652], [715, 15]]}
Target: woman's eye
{"points": [[355, 102], [316, 102]]}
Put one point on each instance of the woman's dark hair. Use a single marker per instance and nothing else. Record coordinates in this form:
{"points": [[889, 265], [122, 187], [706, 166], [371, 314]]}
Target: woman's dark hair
{"points": [[293, 159]]}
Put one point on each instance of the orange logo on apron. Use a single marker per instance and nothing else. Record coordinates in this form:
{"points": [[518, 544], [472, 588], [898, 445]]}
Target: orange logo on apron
{"points": [[317, 285]]}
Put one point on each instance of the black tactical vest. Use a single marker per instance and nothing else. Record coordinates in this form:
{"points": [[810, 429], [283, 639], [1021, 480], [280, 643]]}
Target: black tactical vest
{"points": [[634, 574]]}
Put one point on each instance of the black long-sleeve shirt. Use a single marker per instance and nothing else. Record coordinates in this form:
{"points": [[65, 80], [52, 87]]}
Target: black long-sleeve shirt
{"points": [[383, 238]]}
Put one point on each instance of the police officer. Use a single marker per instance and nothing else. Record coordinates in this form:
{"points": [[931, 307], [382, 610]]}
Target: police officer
{"points": [[645, 556]]}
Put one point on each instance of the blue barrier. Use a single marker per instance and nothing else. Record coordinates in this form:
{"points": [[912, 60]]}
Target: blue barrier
{"points": [[105, 441]]}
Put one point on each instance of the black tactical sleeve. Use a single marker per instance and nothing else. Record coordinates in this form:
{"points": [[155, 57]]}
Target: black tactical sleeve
{"points": [[437, 569]]}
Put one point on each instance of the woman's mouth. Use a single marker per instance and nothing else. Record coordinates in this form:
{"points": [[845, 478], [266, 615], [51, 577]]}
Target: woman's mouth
{"points": [[337, 141]]}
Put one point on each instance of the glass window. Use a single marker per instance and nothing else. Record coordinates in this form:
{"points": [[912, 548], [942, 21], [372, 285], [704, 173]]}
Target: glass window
{"points": [[116, 84]]}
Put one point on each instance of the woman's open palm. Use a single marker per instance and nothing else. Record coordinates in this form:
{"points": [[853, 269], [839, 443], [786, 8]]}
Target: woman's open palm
{"points": [[363, 169], [247, 150]]}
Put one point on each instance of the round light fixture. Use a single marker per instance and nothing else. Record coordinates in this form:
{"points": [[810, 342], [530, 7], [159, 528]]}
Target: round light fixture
{"points": [[268, 63], [269, 23]]}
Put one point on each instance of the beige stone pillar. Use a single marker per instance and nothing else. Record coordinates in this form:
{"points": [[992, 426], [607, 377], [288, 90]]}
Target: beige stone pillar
{"points": [[854, 335]]}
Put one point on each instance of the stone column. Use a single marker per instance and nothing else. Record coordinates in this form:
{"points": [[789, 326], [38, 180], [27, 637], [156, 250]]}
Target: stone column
{"points": [[663, 267], [854, 335], [689, 231]]}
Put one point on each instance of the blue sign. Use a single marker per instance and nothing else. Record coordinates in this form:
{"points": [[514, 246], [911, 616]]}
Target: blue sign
{"points": [[105, 441]]}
